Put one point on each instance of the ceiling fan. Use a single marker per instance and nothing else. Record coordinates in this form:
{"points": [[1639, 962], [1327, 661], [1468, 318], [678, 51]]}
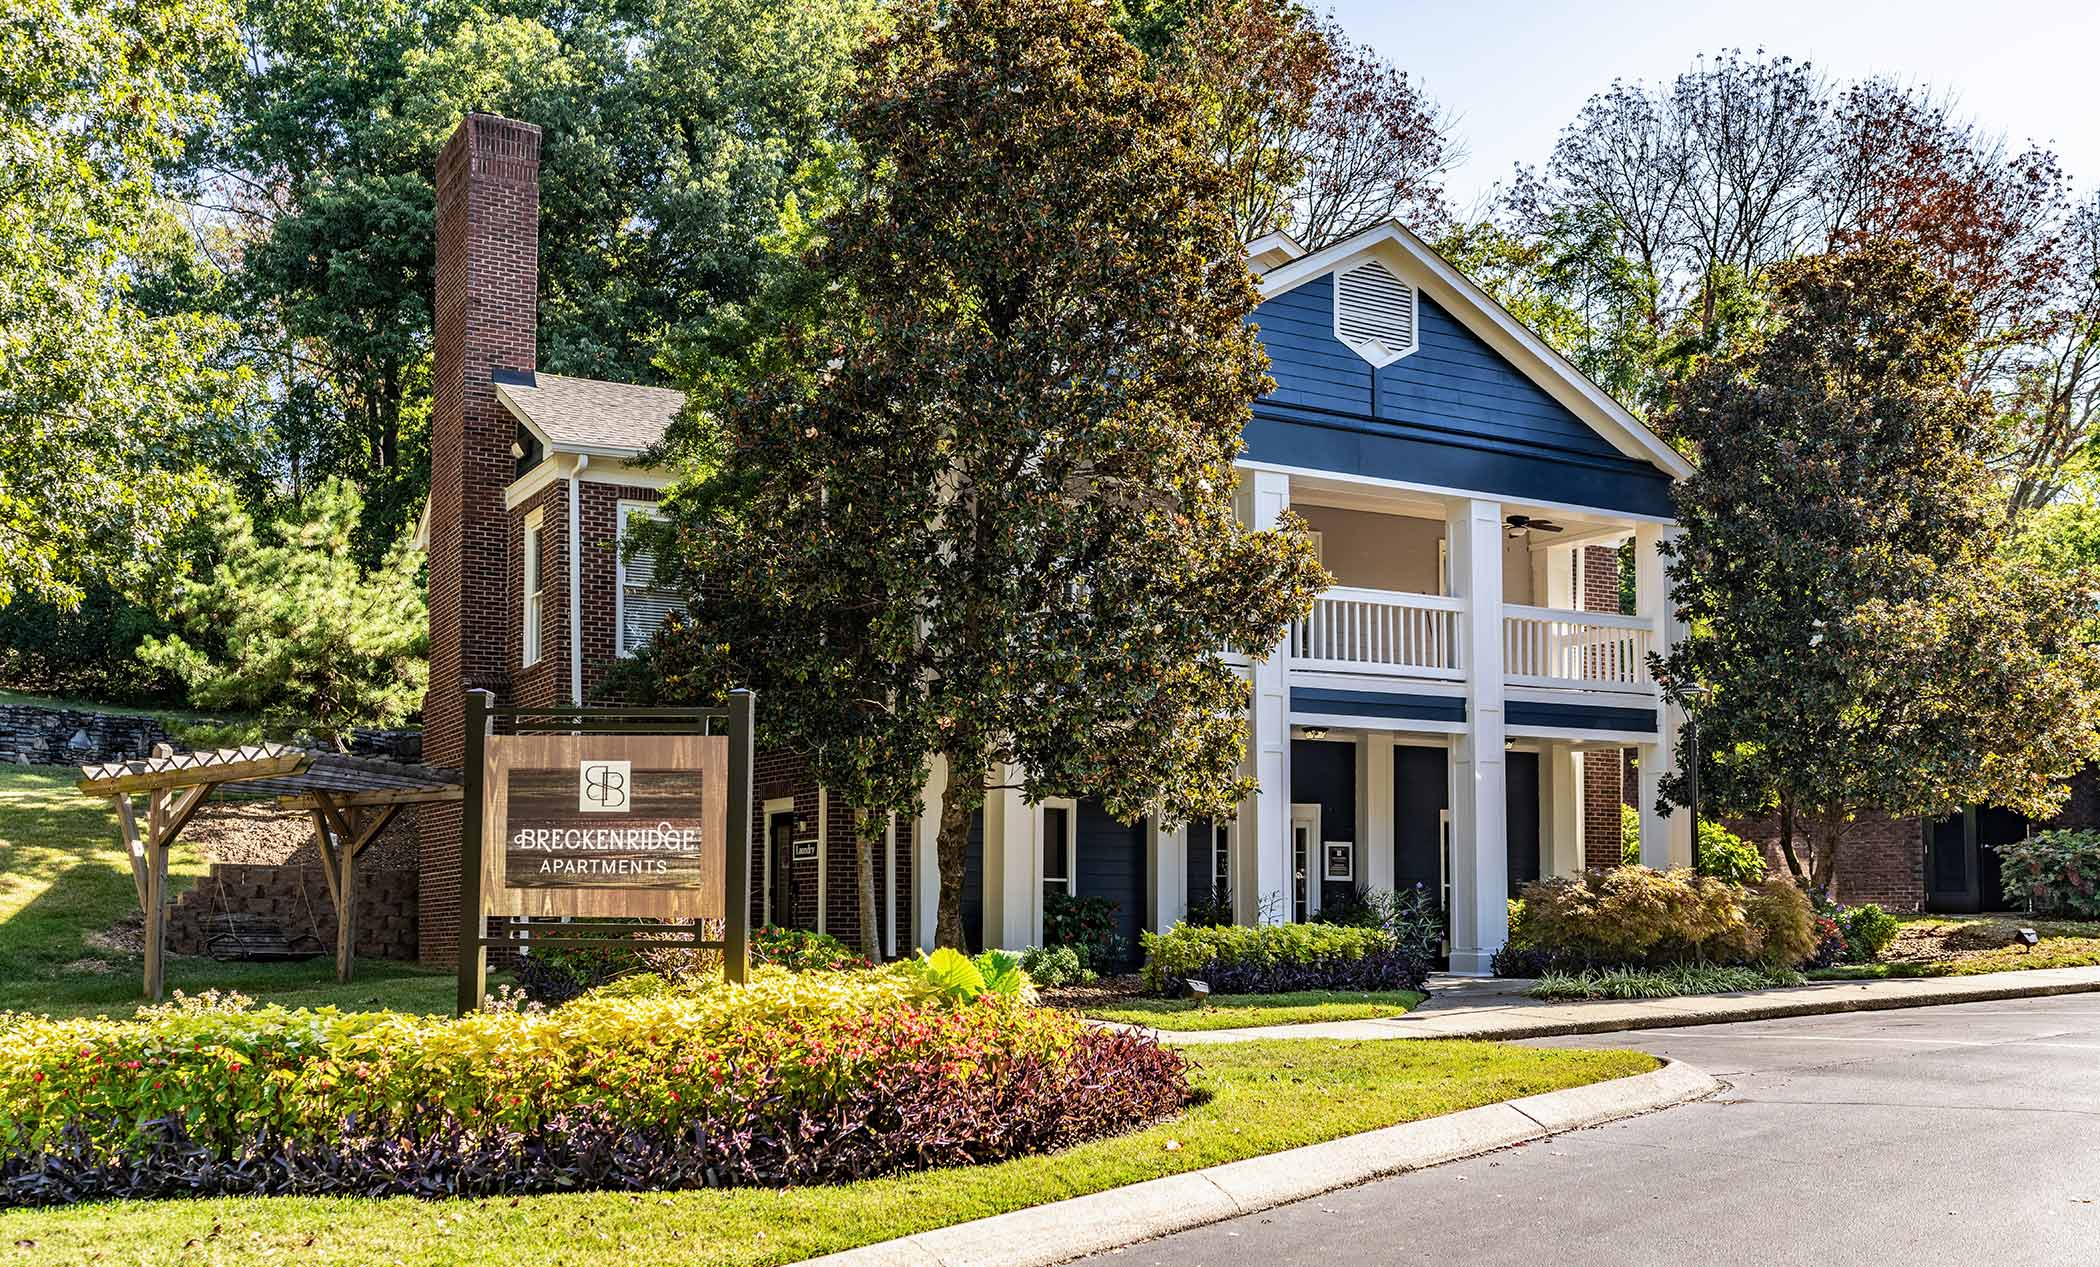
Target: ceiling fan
{"points": [[1521, 523]]}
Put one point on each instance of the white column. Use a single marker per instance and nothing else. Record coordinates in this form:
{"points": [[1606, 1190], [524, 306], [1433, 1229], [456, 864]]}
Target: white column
{"points": [[1264, 884], [1374, 809], [1560, 784], [1167, 876], [1479, 808], [1666, 841], [1013, 893], [926, 858], [889, 885], [823, 856]]}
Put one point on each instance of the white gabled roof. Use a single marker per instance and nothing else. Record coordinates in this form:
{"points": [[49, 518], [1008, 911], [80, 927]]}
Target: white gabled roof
{"points": [[1481, 314]]}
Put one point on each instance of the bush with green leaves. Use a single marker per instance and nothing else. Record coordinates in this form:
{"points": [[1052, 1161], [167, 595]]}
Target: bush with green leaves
{"points": [[1868, 930], [1054, 966], [1637, 916], [1722, 854], [956, 978], [2053, 873], [1275, 958], [1087, 924]]}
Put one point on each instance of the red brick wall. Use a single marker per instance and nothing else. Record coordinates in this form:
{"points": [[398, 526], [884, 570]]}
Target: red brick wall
{"points": [[1880, 860], [485, 319], [1603, 782]]}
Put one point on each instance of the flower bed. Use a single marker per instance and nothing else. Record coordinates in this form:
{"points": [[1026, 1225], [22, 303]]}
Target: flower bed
{"points": [[796, 1078], [1280, 959]]}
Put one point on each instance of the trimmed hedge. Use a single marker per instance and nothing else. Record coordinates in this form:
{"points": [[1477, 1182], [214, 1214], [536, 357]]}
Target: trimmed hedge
{"points": [[817, 1077], [1632, 916], [2053, 872], [1280, 958]]}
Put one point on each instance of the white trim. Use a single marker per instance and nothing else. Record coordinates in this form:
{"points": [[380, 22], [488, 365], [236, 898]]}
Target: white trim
{"points": [[624, 510], [889, 884], [1558, 376], [823, 852], [573, 466], [576, 584], [1441, 490], [778, 805], [1042, 849], [1304, 814], [532, 590]]}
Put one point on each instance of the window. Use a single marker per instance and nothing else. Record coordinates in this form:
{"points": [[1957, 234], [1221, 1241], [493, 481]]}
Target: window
{"points": [[1057, 849], [535, 596], [642, 605], [1221, 865], [1374, 313]]}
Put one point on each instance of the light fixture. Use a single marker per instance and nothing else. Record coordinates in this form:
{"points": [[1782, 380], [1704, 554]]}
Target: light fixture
{"points": [[2027, 938], [1200, 992], [1313, 732], [517, 450]]}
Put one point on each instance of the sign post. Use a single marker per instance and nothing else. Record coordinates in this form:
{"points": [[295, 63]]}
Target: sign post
{"points": [[597, 818]]}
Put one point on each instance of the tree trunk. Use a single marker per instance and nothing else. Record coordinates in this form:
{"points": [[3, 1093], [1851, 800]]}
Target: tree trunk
{"points": [[1786, 842], [864, 824], [1823, 859], [951, 846]]}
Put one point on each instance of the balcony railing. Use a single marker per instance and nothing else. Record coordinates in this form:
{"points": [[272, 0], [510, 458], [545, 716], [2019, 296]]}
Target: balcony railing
{"points": [[1380, 631], [1543, 646], [1417, 635]]}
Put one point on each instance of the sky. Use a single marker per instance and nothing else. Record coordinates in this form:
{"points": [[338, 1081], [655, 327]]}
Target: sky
{"points": [[1514, 72]]}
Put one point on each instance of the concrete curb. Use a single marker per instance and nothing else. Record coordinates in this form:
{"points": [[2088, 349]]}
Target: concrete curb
{"points": [[1610, 1017], [1063, 1230]]}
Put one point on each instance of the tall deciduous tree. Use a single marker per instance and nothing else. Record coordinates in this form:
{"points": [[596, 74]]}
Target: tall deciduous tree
{"points": [[109, 407], [983, 510], [1319, 135], [1871, 645], [674, 131]]}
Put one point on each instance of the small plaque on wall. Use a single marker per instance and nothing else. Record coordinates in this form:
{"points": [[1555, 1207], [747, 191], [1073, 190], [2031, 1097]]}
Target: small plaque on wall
{"points": [[1341, 859], [806, 849]]}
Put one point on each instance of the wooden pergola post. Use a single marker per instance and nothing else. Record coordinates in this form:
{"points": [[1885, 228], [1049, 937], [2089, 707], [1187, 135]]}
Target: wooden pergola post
{"points": [[351, 799], [343, 833]]}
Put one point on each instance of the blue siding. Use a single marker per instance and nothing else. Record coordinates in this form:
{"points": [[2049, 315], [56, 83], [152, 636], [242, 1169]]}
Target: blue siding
{"points": [[1578, 716], [1453, 414], [1337, 703]]}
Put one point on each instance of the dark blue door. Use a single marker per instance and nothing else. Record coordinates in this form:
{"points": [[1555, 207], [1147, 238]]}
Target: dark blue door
{"points": [[1112, 865]]}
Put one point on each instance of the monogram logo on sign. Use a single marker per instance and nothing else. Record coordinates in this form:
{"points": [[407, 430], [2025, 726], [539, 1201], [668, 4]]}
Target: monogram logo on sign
{"points": [[604, 786]]}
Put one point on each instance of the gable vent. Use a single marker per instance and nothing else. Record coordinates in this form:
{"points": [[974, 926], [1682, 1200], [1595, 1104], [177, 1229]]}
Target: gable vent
{"points": [[1374, 313]]}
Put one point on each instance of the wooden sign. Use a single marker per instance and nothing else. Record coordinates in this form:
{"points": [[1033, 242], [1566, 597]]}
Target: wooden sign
{"points": [[606, 825]]}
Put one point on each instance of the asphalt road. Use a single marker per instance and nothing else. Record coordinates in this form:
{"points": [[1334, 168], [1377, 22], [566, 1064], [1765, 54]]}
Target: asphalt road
{"points": [[1964, 1134]]}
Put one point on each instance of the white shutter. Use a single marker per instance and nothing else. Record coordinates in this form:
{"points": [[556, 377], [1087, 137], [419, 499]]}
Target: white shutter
{"points": [[1374, 312], [643, 606]]}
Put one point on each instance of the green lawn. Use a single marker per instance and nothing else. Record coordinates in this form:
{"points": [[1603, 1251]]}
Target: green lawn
{"points": [[1236, 1011], [1261, 1097], [63, 878]]}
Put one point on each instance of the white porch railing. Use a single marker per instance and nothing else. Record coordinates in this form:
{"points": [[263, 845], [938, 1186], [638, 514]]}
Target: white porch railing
{"points": [[1358, 630], [1543, 646]]}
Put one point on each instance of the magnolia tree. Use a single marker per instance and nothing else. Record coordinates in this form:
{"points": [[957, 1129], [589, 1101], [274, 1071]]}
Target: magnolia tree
{"points": [[976, 505], [1871, 644]]}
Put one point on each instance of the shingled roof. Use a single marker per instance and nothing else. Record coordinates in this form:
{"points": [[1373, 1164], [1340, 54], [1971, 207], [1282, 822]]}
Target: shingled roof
{"points": [[585, 415]]}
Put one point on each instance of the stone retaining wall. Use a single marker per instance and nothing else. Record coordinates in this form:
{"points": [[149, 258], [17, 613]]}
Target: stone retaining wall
{"points": [[297, 898], [63, 736]]}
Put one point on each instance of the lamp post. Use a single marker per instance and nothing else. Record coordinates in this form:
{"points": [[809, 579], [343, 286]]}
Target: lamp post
{"points": [[1692, 697]]}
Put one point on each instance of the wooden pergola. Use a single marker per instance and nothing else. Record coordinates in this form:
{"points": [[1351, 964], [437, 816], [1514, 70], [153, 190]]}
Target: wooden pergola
{"points": [[351, 800]]}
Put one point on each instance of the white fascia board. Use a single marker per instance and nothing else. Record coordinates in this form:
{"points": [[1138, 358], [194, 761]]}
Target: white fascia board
{"points": [[1491, 321], [517, 411], [560, 465]]}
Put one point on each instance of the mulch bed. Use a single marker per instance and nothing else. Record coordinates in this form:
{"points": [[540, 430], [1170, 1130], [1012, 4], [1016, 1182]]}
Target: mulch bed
{"points": [[255, 833], [1939, 943], [1107, 992]]}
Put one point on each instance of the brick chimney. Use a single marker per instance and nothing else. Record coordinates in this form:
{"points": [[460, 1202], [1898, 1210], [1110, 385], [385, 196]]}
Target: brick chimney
{"points": [[486, 314]]}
